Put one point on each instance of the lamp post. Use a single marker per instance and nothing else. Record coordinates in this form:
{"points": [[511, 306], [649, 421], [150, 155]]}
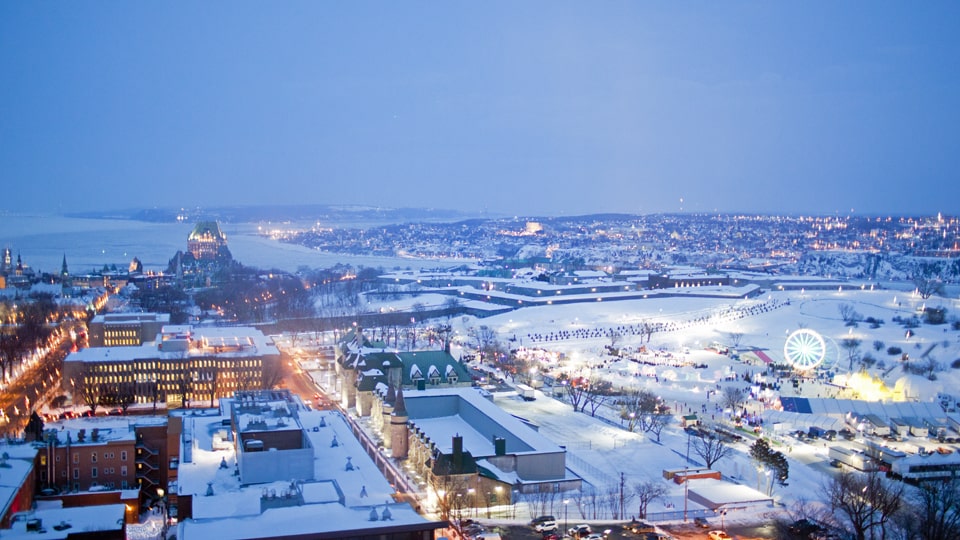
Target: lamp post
{"points": [[686, 486], [565, 503], [163, 511]]}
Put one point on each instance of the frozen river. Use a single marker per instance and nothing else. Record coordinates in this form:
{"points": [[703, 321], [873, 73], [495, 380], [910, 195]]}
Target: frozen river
{"points": [[88, 244]]}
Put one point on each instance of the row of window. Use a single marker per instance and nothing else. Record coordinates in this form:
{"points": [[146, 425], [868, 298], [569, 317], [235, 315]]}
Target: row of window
{"points": [[150, 367], [93, 456]]}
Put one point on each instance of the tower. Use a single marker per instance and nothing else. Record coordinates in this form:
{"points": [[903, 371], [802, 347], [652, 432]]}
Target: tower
{"points": [[399, 432]]}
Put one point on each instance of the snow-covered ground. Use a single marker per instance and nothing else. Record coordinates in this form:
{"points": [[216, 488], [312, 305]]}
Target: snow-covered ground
{"points": [[600, 450]]}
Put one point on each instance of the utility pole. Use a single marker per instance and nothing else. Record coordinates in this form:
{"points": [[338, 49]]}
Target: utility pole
{"points": [[623, 509]]}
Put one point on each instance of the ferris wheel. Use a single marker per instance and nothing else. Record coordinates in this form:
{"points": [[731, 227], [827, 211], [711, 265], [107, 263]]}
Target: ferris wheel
{"points": [[805, 349]]}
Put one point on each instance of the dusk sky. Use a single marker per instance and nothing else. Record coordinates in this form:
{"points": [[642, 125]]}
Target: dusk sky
{"points": [[508, 107]]}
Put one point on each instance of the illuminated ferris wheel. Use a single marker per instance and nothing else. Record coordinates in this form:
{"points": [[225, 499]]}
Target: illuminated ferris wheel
{"points": [[805, 349]]}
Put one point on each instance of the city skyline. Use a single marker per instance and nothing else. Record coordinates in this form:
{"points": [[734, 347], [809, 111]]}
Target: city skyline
{"points": [[532, 109]]}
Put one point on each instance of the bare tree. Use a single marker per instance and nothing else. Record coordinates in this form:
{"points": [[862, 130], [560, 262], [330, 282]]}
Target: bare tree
{"points": [[852, 346], [849, 314], [710, 447], [120, 395], [867, 502], [928, 287], [646, 492], [597, 392], [933, 511], [635, 404], [615, 338], [655, 423], [86, 390], [735, 339], [733, 398], [11, 351]]}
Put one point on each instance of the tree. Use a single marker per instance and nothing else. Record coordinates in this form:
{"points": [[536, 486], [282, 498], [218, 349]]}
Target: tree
{"points": [[636, 404], [933, 511], [849, 314], [596, 393], [646, 492], [735, 339], [11, 351], [710, 447], [86, 390], [852, 346], [655, 424], [733, 398], [928, 287], [120, 395], [866, 501], [273, 374], [486, 342]]}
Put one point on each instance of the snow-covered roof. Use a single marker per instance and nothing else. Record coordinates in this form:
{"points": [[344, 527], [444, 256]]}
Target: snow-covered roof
{"points": [[62, 522]]}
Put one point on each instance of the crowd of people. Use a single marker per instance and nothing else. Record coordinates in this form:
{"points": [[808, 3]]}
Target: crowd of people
{"points": [[648, 328]]}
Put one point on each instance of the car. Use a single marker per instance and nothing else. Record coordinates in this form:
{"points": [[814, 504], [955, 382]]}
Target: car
{"points": [[546, 526], [580, 531], [836, 463], [551, 536], [657, 536], [701, 522], [718, 535], [541, 519], [595, 536], [640, 527], [805, 528]]}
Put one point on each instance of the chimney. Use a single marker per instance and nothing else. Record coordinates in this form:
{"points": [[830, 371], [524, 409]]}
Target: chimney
{"points": [[457, 453], [499, 446]]}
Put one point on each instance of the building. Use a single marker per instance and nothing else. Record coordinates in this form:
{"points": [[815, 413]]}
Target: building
{"points": [[99, 522], [361, 367], [106, 460], [181, 366], [459, 440], [125, 329], [268, 467], [206, 241]]}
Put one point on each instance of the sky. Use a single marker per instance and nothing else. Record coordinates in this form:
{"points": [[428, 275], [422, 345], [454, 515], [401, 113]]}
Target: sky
{"points": [[516, 108]]}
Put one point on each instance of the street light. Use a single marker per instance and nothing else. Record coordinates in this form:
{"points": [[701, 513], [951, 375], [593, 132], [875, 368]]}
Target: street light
{"points": [[565, 502]]}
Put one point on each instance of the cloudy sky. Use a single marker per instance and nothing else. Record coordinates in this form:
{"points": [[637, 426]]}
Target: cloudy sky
{"points": [[531, 107]]}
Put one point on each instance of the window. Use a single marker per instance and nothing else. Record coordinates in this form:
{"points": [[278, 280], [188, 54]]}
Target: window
{"points": [[123, 472], [76, 474], [123, 455], [76, 457], [93, 457], [58, 459]]}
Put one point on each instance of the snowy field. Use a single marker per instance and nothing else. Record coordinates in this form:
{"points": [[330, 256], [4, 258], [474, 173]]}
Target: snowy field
{"points": [[600, 450]]}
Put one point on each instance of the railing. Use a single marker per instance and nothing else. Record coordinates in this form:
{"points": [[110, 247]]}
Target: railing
{"points": [[151, 451]]}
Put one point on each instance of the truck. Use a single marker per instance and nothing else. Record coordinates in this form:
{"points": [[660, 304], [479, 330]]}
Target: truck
{"points": [[526, 392], [851, 458]]}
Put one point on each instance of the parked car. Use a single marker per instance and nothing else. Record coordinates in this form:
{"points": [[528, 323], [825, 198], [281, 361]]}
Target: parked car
{"points": [[718, 535], [836, 463], [541, 519], [701, 522], [805, 528], [640, 527], [580, 531], [546, 526]]}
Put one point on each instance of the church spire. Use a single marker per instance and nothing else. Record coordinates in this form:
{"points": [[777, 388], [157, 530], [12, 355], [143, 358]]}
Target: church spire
{"points": [[63, 270]]}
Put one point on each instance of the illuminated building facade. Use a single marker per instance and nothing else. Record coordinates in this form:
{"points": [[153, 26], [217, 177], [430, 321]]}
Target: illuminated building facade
{"points": [[126, 329], [183, 366], [206, 240]]}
